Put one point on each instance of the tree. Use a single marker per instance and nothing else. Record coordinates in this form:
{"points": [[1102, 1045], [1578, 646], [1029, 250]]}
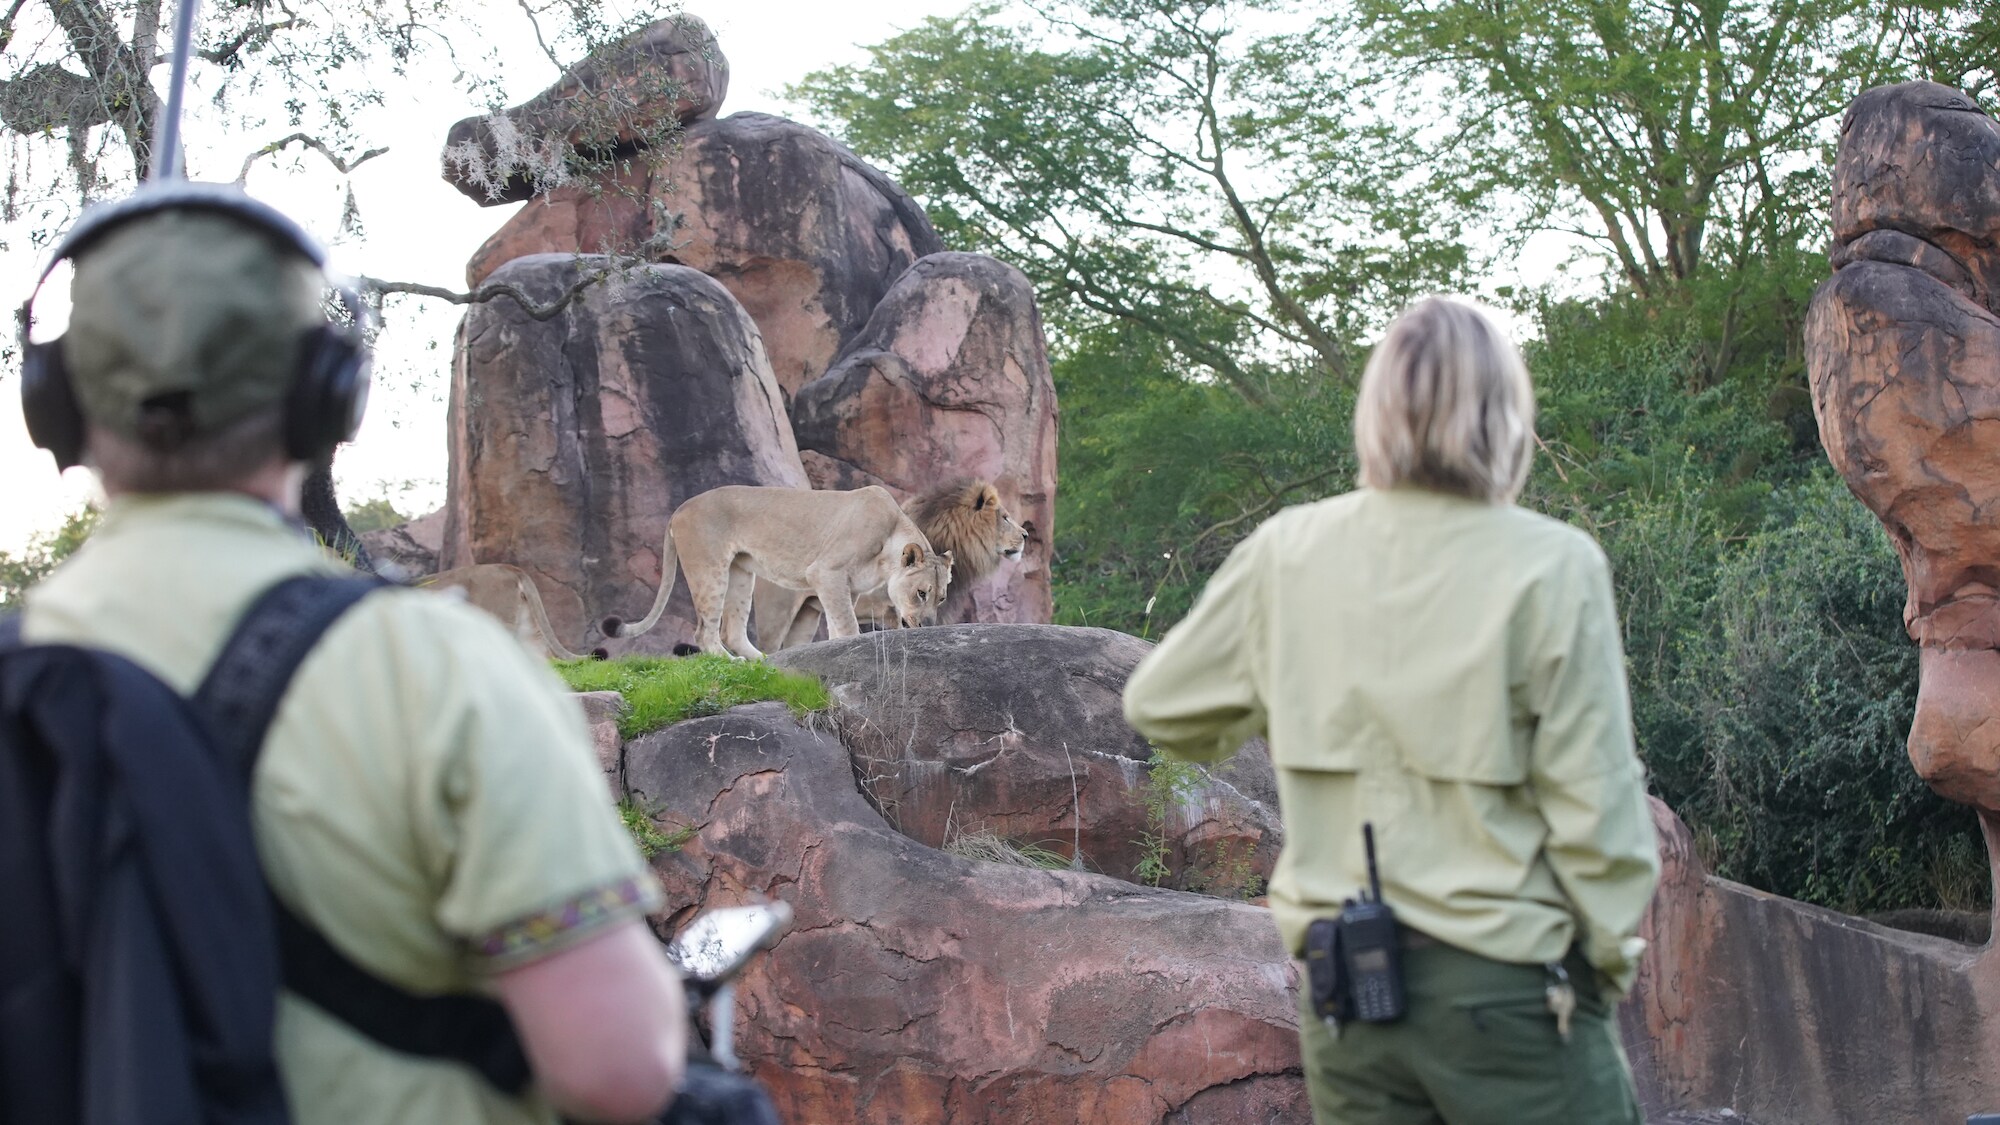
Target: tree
{"points": [[1688, 139], [77, 76], [1161, 163]]}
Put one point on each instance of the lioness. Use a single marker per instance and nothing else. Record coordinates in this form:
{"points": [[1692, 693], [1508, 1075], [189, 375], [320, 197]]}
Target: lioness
{"points": [[962, 518], [508, 593], [832, 545]]}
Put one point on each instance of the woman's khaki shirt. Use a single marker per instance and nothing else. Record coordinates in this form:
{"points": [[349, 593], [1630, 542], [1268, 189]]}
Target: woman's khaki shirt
{"points": [[1450, 671]]}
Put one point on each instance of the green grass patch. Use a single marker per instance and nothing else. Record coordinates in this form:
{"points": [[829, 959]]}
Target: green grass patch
{"points": [[646, 832], [660, 691]]}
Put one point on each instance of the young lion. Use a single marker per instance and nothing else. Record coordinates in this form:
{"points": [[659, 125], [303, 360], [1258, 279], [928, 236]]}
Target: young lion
{"points": [[833, 545], [963, 518], [509, 594]]}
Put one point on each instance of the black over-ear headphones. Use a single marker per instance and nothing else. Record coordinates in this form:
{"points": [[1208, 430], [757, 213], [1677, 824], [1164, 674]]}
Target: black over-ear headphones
{"points": [[329, 392]]}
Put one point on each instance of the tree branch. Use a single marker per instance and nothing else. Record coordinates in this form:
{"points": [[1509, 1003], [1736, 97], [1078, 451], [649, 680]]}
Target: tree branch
{"points": [[345, 167], [492, 290]]}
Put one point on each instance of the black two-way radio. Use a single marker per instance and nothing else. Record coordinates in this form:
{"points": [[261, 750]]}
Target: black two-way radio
{"points": [[1354, 963], [1371, 950]]}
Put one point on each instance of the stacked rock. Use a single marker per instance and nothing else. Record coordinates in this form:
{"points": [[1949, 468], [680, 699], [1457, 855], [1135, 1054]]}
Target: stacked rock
{"points": [[871, 356]]}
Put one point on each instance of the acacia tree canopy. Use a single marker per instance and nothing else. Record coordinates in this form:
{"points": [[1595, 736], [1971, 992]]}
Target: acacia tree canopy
{"points": [[1201, 168]]}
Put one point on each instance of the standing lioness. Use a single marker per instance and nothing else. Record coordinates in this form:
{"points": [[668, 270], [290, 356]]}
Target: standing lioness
{"points": [[833, 545]]}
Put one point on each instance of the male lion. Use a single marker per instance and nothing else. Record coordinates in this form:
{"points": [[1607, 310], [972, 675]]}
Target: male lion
{"points": [[963, 518], [833, 545], [508, 593]]}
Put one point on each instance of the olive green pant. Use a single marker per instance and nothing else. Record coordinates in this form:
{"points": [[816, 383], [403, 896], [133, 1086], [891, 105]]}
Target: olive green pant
{"points": [[1478, 1046]]}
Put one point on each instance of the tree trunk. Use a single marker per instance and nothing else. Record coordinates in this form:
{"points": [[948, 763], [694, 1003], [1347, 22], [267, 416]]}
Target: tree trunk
{"points": [[321, 509]]}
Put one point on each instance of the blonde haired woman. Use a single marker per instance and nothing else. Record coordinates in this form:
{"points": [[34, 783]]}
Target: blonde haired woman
{"points": [[1433, 660]]}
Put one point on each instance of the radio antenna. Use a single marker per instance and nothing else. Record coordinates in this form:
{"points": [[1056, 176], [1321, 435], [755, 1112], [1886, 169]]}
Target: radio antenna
{"points": [[167, 163], [1374, 876]]}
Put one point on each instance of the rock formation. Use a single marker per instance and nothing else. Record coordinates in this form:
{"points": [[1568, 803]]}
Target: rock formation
{"points": [[574, 438], [917, 988], [803, 232], [922, 365], [407, 550], [1903, 348], [633, 91], [950, 373], [1793, 1014], [1016, 731]]}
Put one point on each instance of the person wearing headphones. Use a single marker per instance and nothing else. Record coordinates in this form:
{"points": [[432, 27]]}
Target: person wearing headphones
{"points": [[426, 800]]}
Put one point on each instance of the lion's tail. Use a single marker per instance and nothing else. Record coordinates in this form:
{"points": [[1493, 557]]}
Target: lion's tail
{"points": [[669, 570], [534, 599]]}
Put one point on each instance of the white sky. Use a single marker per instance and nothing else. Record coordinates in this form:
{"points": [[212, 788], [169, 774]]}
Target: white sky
{"points": [[421, 229]]}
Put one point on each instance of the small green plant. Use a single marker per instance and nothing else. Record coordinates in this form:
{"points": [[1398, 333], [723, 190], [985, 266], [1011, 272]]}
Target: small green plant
{"points": [[1169, 784], [661, 691], [1224, 872], [646, 831]]}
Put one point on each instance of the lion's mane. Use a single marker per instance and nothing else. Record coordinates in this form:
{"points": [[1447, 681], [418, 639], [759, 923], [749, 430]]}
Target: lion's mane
{"points": [[965, 517]]}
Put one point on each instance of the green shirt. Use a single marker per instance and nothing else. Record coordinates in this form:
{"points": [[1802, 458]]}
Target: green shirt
{"points": [[427, 798], [1450, 671]]}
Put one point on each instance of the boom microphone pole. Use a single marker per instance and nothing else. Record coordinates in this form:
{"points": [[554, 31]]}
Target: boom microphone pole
{"points": [[167, 164]]}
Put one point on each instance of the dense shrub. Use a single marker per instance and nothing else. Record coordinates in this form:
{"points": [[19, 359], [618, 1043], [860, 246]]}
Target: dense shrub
{"points": [[1797, 692]]}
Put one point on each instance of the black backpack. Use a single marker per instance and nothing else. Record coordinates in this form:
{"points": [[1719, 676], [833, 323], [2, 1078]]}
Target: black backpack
{"points": [[142, 951]]}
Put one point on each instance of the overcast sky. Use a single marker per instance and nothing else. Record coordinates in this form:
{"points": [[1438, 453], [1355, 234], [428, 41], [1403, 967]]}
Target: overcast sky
{"points": [[419, 228]]}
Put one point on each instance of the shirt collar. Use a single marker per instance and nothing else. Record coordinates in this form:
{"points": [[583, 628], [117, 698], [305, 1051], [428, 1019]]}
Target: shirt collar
{"points": [[146, 510]]}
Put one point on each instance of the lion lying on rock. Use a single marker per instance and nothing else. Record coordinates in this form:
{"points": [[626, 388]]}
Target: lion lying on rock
{"points": [[964, 519], [831, 545], [508, 593]]}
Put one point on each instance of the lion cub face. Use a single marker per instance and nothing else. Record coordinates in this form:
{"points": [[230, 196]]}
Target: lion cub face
{"points": [[917, 588]]}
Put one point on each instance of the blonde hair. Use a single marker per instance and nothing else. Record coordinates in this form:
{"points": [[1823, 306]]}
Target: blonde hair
{"points": [[1445, 404]]}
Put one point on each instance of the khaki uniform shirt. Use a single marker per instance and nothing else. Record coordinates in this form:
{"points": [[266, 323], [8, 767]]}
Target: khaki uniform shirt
{"points": [[427, 797], [1450, 671]]}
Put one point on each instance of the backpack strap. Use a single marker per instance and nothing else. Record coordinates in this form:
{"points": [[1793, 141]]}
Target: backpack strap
{"points": [[238, 699]]}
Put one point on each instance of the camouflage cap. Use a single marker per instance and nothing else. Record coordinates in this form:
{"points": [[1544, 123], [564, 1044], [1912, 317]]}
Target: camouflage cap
{"points": [[192, 303]]}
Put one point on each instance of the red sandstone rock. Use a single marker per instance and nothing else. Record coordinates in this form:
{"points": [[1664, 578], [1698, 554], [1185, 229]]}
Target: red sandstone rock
{"points": [[1903, 349], [629, 92], [1016, 731], [916, 988], [407, 550], [803, 232], [950, 377], [1795, 1014], [575, 438]]}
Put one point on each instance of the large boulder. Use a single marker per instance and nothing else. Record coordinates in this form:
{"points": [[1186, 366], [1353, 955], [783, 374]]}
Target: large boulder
{"points": [[574, 438], [1903, 351], [919, 988], [407, 550], [628, 94], [950, 377], [1015, 732], [807, 235], [1796, 1015]]}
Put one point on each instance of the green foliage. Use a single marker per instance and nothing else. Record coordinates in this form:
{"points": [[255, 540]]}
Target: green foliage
{"points": [[43, 553], [661, 691], [1673, 133], [1795, 698], [1208, 171], [646, 832], [1162, 475], [1169, 785], [376, 514]]}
